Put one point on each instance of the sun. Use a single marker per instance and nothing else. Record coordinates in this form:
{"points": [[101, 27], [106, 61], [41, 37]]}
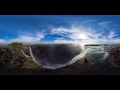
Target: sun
{"points": [[82, 36]]}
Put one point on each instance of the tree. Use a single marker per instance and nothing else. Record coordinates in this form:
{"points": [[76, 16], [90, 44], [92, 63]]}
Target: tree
{"points": [[14, 44]]}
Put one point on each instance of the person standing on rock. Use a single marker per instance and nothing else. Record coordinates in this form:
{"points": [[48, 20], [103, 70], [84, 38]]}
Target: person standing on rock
{"points": [[86, 61]]}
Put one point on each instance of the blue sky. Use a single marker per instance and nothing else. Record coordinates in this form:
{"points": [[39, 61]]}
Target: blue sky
{"points": [[84, 29]]}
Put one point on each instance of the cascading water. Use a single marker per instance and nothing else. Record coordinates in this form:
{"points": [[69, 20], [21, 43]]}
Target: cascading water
{"points": [[53, 57], [24, 54], [94, 53]]}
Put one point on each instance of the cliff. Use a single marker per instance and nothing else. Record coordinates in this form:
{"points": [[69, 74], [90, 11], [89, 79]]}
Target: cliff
{"points": [[12, 61], [12, 57], [114, 58], [55, 54]]}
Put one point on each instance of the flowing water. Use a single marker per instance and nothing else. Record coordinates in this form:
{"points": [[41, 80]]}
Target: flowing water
{"points": [[53, 56], [94, 53]]}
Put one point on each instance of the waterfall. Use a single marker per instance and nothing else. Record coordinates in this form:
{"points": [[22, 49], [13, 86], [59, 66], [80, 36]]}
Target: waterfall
{"points": [[95, 53]]}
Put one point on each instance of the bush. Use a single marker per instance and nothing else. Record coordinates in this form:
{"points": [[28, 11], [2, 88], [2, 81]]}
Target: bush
{"points": [[14, 44]]}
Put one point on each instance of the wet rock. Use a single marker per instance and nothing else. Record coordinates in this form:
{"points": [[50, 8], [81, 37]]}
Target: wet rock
{"points": [[86, 61], [114, 57]]}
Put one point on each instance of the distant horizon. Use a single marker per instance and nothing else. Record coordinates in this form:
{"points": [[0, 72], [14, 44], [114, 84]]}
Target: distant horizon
{"points": [[84, 29], [62, 43]]}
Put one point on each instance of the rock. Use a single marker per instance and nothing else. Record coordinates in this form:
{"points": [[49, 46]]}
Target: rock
{"points": [[85, 61], [13, 58], [114, 57]]}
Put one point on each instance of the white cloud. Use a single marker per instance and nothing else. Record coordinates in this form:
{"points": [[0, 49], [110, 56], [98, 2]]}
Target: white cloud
{"points": [[84, 35], [25, 39], [111, 35], [40, 36], [75, 33], [105, 24], [2, 41], [81, 34], [87, 21], [28, 39], [61, 38]]}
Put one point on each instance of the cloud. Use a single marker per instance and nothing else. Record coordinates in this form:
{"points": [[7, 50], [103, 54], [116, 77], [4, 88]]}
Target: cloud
{"points": [[40, 36], [2, 41], [73, 34], [26, 39], [112, 35], [61, 38], [84, 35], [87, 21], [105, 24]]}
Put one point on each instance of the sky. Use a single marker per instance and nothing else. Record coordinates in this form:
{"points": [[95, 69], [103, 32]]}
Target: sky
{"points": [[83, 29]]}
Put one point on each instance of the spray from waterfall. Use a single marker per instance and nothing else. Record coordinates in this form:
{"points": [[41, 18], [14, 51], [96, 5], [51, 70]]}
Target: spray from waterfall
{"points": [[32, 56], [94, 52]]}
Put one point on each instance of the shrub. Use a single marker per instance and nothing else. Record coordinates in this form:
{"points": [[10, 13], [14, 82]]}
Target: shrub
{"points": [[15, 44]]}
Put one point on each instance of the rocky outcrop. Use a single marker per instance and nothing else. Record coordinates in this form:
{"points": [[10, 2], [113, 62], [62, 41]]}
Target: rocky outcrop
{"points": [[5, 57], [114, 57], [12, 61], [14, 58]]}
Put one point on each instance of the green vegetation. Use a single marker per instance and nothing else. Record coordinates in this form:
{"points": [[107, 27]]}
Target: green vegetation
{"points": [[15, 44]]}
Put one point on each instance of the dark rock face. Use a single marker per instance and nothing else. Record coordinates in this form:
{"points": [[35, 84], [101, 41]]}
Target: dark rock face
{"points": [[114, 57], [10, 57], [55, 54], [13, 58], [5, 56]]}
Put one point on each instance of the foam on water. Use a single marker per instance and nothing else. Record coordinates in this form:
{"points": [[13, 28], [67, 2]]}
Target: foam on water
{"points": [[95, 53]]}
